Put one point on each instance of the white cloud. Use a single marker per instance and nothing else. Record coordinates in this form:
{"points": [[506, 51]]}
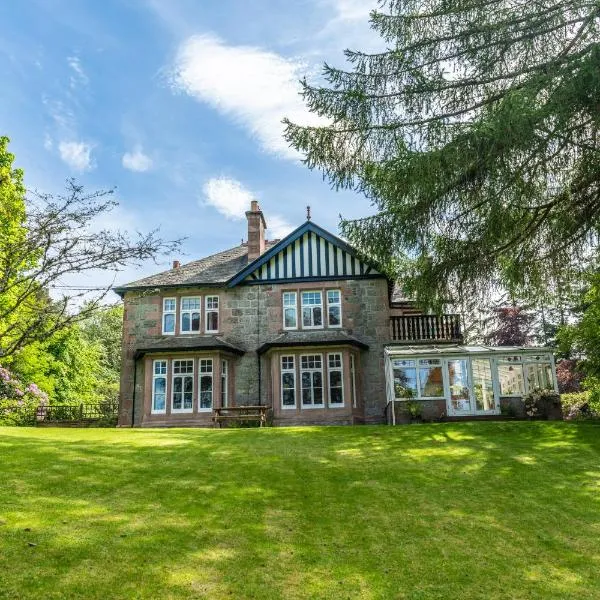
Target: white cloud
{"points": [[137, 160], [78, 155], [255, 87], [232, 200], [228, 196], [79, 76], [278, 227], [352, 10]]}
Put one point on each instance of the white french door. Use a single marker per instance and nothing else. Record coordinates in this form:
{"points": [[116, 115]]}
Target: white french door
{"points": [[470, 387]]}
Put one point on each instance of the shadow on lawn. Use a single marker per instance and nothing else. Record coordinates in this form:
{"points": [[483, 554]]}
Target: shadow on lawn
{"points": [[428, 511]]}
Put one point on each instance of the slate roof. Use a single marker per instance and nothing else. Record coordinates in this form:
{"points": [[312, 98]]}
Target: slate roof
{"points": [[321, 337], [170, 343], [214, 270]]}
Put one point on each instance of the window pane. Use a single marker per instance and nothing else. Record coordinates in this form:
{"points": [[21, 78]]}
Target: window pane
{"points": [[335, 378], [333, 296], [195, 321], [482, 384], [185, 322], [306, 380], [287, 380], [335, 396], [307, 317], [206, 391], [290, 317], [458, 379], [177, 385], [287, 398], [169, 323], [405, 382], [334, 315], [212, 321], [431, 381], [511, 379], [317, 316], [317, 379], [306, 396]]}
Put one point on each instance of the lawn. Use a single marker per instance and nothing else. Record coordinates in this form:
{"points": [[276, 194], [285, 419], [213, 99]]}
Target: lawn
{"points": [[461, 510]]}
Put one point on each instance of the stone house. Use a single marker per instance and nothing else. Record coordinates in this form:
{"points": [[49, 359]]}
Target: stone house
{"points": [[306, 327]]}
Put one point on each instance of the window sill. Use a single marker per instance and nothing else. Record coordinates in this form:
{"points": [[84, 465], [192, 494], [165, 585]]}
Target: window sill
{"points": [[205, 410], [312, 407], [188, 411], [289, 407], [158, 412]]}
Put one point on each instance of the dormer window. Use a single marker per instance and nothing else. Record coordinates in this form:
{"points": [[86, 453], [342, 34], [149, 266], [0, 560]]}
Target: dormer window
{"points": [[312, 310], [190, 314]]}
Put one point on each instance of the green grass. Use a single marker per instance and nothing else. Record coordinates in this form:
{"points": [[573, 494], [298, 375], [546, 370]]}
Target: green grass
{"points": [[463, 510]]}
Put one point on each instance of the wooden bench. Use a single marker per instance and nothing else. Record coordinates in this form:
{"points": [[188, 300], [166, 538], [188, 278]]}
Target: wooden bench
{"points": [[241, 414]]}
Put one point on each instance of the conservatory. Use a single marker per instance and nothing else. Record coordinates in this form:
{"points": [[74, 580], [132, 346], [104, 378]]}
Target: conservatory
{"points": [[463, 381]]}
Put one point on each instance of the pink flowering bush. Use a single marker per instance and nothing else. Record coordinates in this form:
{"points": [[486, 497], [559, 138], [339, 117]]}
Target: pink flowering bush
{"points": [[18, 403]]}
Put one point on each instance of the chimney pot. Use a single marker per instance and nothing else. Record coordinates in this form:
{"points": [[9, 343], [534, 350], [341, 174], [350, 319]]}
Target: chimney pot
{"points": [[176, 264]]}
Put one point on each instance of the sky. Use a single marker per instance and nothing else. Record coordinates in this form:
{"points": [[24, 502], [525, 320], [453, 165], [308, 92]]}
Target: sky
{"points": [[176, 104]]}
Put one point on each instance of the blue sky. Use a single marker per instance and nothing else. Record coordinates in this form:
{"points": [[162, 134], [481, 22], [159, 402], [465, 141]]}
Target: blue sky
{"points": [[177, 104]]}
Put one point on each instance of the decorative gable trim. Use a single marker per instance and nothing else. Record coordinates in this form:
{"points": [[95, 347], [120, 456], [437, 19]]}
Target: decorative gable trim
{"points": [[308, 253]]}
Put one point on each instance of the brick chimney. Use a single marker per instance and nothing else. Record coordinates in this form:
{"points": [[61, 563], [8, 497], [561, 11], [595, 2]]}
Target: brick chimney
{"points": [[256, 231], [176, 264]]}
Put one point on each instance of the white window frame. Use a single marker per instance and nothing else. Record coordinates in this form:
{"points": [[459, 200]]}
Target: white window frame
{"points": [[169, 312], [417, 367], [288, 370], [183, 311], [330, 370], [182, 375], [210, 374], [208, 311], [339, 303], [353, 379], [161, 375], [513, 361], [312, 307], [293, 307], [312, 370], [224, 383]]}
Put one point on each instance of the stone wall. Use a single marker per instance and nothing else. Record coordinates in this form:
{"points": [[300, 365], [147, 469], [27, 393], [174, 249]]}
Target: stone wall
{"points": [[251, 316]]}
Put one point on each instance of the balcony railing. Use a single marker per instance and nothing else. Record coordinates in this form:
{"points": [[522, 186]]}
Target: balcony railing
{"points": [[426, 328]]}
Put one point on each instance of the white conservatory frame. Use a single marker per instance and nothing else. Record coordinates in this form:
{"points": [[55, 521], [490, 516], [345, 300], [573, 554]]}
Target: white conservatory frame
{"points": [[527, 356]]}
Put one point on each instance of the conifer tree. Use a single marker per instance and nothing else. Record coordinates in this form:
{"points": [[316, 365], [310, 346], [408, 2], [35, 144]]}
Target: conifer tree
{"points": [[475, 135]]}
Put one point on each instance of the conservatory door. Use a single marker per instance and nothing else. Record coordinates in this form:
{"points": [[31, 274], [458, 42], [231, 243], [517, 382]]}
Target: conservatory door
{"points": [[459, 399], [484, 396]]}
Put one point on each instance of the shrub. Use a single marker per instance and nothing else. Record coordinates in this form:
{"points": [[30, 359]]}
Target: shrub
{"points": [[18, 403], [537, 402], [581, 405]]}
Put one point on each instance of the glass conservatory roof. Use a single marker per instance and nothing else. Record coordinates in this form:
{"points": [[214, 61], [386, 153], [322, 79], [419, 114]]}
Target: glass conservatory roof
{"points": [[455, 349]]}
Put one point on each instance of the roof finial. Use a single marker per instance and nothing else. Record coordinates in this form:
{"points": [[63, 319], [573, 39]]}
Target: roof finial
{"points": [[308, 213]]}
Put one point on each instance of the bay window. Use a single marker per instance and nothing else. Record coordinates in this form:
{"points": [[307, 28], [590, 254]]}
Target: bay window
{"points": [[334, 308], [312, 310], [159, 387], [288, 382], [190, 314], [335, 375], [311, 377], [290, 310], [206, 385], [211, 316], [182, 396], [168, 318]]}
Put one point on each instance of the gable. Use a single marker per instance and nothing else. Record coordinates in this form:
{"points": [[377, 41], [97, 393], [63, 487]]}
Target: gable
{"points": [[310, 252]]}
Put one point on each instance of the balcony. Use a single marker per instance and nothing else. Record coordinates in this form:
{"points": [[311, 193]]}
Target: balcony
{"points": [[421, 329]]}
